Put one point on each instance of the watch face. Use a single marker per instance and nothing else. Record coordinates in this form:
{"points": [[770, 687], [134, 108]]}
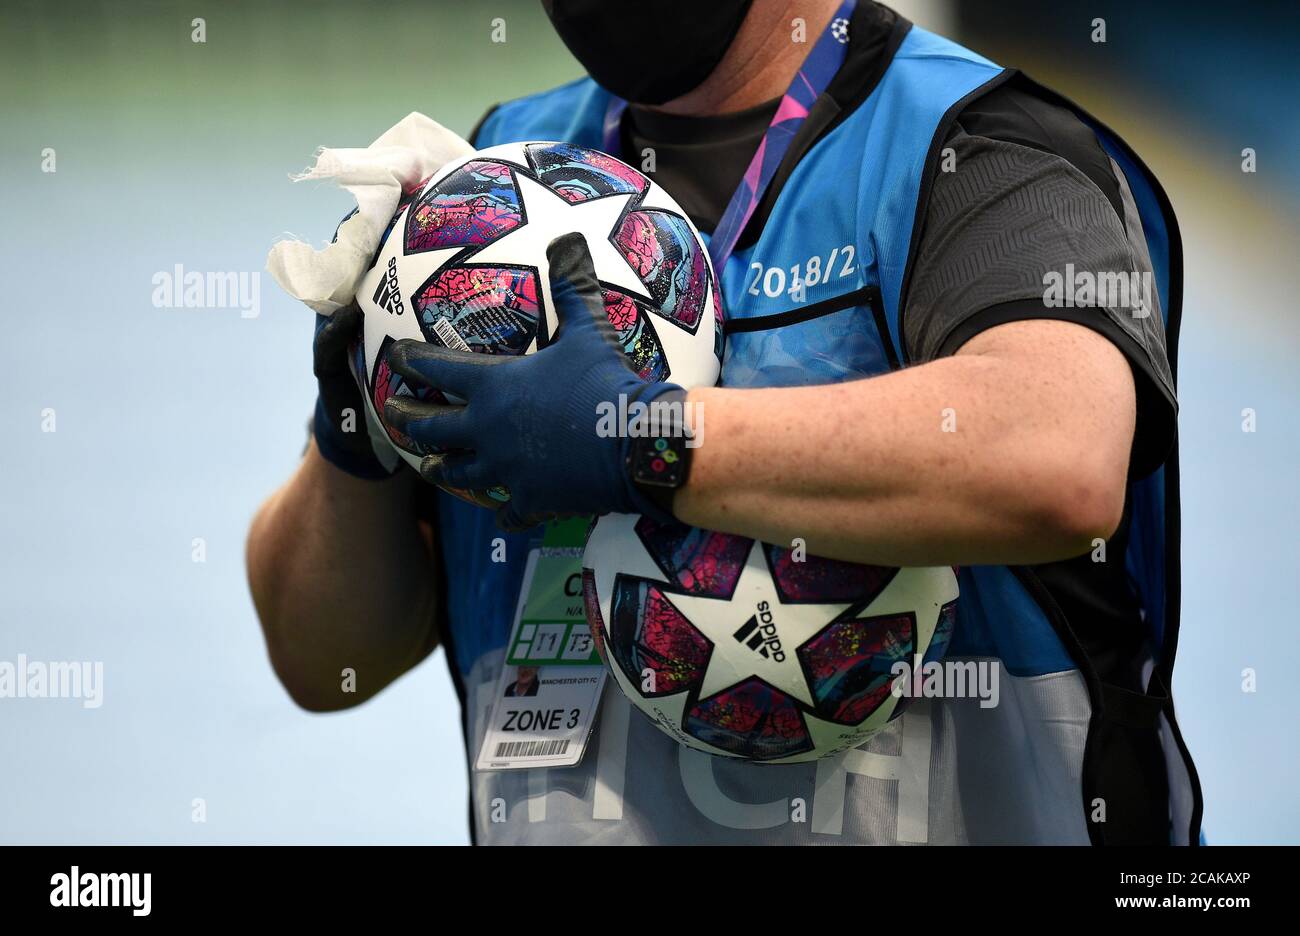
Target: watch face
{"points": [[659, 462]]}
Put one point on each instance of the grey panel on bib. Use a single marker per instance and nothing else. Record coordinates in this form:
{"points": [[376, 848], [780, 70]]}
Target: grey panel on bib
{"points": [[947, 772]]}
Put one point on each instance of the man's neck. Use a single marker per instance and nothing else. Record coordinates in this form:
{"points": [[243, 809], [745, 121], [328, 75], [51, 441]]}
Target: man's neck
{"points": [[762, 60]]}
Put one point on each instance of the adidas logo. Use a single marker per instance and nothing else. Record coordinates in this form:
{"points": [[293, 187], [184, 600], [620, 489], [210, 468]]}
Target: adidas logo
{"points": [[388, 295], [759, 634]]}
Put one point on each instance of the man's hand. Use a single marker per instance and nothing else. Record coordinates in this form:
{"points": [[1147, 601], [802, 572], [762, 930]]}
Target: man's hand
{"points": [[529, 423], [344, 431]]}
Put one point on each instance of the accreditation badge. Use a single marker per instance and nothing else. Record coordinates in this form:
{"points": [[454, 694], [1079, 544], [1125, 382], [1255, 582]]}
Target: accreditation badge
{"points": [[549, 689]]}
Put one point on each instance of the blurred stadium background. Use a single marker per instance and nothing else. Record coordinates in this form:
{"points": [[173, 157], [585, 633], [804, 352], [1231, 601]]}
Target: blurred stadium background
{"points": [[173, 423]]}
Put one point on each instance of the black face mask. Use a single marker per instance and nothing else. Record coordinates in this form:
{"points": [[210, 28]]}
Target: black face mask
{"points": [[665, 51]]}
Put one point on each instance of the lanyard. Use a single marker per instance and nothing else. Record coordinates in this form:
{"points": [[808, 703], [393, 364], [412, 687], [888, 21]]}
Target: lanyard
{"points": [[814, 75]]}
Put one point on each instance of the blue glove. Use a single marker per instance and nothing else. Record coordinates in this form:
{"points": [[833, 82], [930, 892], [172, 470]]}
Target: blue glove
{"points": [[530, 422], [341, 424]]}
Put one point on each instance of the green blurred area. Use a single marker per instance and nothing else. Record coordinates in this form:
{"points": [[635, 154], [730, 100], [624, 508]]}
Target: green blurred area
{"points": [[130, 77]]}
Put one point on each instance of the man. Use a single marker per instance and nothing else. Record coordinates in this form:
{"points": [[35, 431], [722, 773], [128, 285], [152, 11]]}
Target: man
{"points": [[1012, 425], [525, 683]]}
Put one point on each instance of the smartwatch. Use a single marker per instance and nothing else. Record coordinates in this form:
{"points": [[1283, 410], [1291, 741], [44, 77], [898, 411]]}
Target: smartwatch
{"points": [[659, 462]]}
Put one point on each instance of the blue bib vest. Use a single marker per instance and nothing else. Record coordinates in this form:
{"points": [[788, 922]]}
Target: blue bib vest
{"points": [[817, 299]]}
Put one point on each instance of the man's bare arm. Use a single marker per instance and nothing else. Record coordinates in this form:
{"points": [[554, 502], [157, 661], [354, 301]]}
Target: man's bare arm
{"points": [[342, 579], [1044, 414]]}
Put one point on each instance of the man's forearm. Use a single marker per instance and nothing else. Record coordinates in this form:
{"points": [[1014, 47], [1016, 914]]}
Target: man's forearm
{"points": [[982, 458], [342, 579]]}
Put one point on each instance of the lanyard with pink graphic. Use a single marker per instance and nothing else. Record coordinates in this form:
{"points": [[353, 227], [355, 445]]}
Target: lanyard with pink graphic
{"points": [[814, 75]]}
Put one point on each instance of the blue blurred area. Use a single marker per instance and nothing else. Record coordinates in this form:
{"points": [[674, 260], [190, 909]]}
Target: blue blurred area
{"points": [[1227, 70], [172, 424]]}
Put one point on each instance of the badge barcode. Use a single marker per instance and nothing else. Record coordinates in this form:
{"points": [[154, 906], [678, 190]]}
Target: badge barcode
{"points": [[532, 748], [450, 337]]}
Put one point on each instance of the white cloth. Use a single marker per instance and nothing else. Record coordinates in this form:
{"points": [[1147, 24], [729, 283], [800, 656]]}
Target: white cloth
{"points": [[376, 176]]}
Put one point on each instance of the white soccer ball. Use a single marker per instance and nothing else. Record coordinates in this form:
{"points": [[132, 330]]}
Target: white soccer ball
{"points": [[463, 265], [744, 649]]}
